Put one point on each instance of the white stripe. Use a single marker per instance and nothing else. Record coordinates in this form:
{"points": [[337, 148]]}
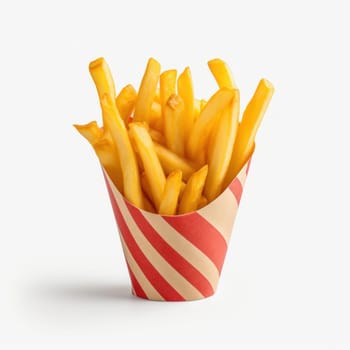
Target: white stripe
{"points": [[221, 213], [174, 278], [185, 248], [147, 287]]}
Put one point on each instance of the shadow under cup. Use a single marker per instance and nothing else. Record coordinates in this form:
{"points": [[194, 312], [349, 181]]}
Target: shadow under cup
{"points": [[179, 257]]}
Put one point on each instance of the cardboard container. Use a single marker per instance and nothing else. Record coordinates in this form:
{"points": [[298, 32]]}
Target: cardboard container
{"points": [[180, 257]]}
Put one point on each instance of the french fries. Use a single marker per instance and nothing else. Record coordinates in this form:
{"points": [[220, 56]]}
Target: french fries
{"points": [[102, 76], [157, 96], [222, 73], [147, 91], [252, 117], [131, 178], [174, 125], [220, 148], [193, 191], [171, 161], [105, 150], [185, 91], [155, 117], [196, 110], [148, 206], [203, 201], [169, 200], [201, 129], [157, 136], [126, 102], [154, 171], [145, 186], [165, 150], [223, 136], [167, 85], [91, 131]]}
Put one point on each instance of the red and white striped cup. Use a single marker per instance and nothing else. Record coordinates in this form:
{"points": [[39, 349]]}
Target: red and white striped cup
{"points": [[177, 258]]}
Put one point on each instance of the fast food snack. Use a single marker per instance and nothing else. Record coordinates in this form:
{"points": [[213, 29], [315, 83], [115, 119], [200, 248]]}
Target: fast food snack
{"points": [[183, 133], [175, 167]]}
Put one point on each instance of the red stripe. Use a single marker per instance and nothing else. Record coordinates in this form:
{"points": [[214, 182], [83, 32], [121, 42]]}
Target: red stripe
{"points": [[202, 234], [154, 277], [177, 261], [137, 289], [237, 189]]}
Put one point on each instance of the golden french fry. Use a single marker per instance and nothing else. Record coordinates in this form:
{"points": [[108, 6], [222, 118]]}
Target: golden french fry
{"points": [[196, 109], [220, 148], [126, 102], [167, 85], [157, 96], [157, 136], [91, 131], [153, 169], [169, 201], [158, 125], [171, 161], [156, 111], [203, 201], [247, 129], [119, 134], [137, 155], [148, 205], [109, 158], [185, 91], [105, 150], [155, 117], [183, 185], [174, 125], [147, 91], [138, 158], [145, 186], [193, 191], [222, 73], [205, 121], [102, 77], [223, 136]]}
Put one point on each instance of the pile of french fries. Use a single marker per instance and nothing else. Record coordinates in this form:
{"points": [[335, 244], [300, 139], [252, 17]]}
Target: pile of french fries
{"points": [[166, 151]]}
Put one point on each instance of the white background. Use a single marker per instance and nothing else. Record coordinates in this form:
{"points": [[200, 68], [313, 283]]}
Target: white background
{"points": [[286, 280]]}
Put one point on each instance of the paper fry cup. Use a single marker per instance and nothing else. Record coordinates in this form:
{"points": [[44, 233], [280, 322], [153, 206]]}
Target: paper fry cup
{"points": [[180, 257]]}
